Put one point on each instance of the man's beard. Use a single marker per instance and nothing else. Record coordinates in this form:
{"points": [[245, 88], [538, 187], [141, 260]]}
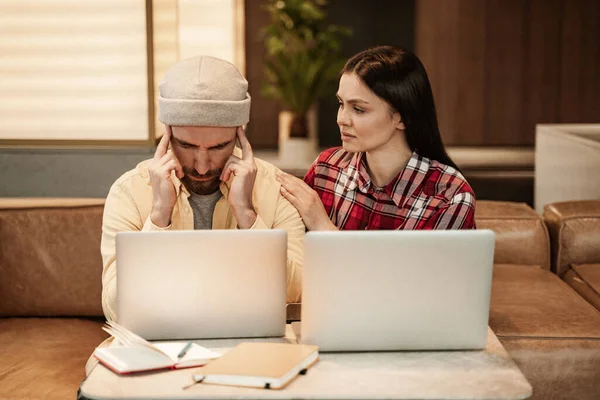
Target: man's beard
{"points": [[202, 187]]}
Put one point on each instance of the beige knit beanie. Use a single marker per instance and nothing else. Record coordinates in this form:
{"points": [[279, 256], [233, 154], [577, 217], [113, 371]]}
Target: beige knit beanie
{"points": [[203, 91]]}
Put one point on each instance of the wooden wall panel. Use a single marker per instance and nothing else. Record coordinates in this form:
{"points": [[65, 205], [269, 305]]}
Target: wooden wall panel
{"points": [[450, 41], [470, 100], [424, 32], [499, 67], [445, 59], [262, 128], [505, 51], [580, 66], [542, 67]]}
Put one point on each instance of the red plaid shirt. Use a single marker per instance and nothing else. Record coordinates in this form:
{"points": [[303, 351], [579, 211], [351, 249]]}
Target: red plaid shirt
{"points": [[424, 195]]}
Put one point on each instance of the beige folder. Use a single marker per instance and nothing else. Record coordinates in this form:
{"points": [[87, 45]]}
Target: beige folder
{"points": [[265, 365]]}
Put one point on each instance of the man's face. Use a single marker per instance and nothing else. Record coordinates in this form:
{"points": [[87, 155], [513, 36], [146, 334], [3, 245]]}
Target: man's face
{"points": [[202, 152]]}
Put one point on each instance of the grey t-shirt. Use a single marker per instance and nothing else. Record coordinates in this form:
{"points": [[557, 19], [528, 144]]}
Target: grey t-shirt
{"points": [[203, 207]]}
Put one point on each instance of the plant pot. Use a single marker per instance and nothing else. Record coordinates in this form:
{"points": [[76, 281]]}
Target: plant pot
{"points": [[298, 150]]}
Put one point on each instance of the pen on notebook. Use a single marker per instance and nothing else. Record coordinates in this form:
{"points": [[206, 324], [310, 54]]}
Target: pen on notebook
{"points": [[184, 350]]}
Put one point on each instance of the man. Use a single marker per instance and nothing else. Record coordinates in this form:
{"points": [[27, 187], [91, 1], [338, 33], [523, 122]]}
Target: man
{"points": [[198, 179]]}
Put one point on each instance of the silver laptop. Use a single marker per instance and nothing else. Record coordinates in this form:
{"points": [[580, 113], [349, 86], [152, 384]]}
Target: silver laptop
{"points": [[396, 290], [202, 284]]}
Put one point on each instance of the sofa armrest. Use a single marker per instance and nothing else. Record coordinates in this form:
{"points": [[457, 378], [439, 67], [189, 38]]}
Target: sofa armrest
{"points": [[574, 233], [521, 235], [47, 202]]}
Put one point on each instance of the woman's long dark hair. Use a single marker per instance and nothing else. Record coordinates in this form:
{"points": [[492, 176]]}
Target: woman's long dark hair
{"points": [[397, 76]]}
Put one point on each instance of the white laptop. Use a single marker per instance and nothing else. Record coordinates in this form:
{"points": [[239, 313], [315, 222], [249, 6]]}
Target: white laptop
{"points": [[396, 290], [202, 284]]}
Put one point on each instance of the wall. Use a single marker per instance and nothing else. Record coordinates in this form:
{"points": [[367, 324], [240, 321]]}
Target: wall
{"points": [[373, 23], [262, 128], [65, 172], [499, 67]]}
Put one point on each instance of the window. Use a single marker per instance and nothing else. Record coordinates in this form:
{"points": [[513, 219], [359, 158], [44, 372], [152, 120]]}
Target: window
{"points": [[87, 72], [73, 70]]}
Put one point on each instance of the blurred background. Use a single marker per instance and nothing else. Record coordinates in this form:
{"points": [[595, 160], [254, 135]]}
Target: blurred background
{"points": [[516, 84]]}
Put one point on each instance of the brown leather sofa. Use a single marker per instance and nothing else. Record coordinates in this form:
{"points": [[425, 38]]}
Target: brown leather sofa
{"points": [[575, 234], [50, 285], [550, 331], [50, 312]]}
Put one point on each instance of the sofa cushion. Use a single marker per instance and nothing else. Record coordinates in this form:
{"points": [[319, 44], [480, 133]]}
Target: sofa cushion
{"points": [[558, 369], [521, 235], [575, 233], [533, 302], [44, 358], [585, 279], [50, 259]]}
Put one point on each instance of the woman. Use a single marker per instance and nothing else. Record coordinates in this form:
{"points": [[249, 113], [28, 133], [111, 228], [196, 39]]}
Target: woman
{"points": [[392, 171]]}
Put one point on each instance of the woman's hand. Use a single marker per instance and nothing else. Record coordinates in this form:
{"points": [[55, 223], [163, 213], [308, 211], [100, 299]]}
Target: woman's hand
{"points": [[306, 201]]}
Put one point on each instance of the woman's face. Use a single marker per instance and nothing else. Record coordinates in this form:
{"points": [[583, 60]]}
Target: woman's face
{"points": [[366, 122]]}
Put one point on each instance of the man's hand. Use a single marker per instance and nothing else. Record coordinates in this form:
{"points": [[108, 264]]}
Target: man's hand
{"points": [[164, 196], [307, 202], [244, 175]]}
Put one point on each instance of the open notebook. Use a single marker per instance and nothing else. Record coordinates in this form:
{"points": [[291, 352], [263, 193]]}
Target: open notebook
{"points": [[131, 353]]}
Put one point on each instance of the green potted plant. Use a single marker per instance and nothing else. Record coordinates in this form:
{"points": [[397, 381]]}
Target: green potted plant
{"points": [[303, 59]]}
